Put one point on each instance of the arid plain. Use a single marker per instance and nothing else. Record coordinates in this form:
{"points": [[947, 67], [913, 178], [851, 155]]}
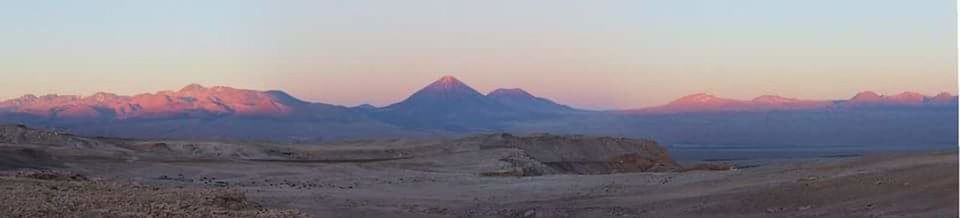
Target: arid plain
{"points": [[48, 173]]}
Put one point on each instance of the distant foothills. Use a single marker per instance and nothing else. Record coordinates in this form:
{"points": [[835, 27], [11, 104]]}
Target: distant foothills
{"points": [[449, 107]]}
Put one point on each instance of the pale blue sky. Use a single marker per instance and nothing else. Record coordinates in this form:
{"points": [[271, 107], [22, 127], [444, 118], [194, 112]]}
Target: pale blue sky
{"points": [[594, 54]]}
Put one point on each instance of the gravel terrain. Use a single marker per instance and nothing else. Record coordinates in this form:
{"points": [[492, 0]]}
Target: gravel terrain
{"points": [[494, 175]]}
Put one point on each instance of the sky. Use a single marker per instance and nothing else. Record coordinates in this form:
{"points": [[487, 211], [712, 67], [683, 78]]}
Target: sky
{"points": [[597, 54]]}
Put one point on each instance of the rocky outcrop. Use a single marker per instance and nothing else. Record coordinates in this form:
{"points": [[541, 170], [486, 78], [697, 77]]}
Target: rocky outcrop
{"points": [[578, 154]]}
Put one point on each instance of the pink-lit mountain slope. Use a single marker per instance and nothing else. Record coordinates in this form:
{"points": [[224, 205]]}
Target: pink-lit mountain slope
{"points": [[191, 101], [709, 103]]}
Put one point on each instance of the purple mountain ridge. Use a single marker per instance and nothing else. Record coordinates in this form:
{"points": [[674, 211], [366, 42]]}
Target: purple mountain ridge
{"points": [[446, 94], [450, 106], [523, 100]]}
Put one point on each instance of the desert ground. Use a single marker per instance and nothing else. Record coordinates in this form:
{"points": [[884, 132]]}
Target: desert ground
{"points": [[51, 174]]}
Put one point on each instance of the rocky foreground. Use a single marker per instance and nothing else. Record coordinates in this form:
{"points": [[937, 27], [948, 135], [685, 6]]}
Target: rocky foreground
{"points": [[62, 194], [496, 175]]}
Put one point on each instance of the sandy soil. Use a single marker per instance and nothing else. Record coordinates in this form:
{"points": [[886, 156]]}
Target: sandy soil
{"points": [[896, 185], [429, 178], [60, 194]]}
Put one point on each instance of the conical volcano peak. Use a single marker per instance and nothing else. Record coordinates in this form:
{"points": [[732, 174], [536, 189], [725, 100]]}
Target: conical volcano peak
{"points": [[442, 99], [449, 78], [447, 83]]}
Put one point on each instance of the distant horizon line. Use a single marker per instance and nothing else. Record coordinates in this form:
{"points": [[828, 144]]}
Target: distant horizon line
{"points": [[448, 77]]}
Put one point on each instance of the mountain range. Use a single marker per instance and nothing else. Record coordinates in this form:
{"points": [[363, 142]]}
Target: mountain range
{"points": [[708, 103], [448, 106]]}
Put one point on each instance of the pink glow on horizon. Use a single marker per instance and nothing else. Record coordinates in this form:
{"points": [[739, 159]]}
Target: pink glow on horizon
{"points": [[589, 54]]}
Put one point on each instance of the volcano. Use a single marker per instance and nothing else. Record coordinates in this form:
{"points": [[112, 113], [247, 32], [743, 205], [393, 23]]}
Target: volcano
{"points": [[520, 99], [447, 103]]}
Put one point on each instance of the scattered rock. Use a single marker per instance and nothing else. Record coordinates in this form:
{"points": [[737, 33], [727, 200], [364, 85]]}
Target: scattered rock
{"points": [[64, 194]]}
